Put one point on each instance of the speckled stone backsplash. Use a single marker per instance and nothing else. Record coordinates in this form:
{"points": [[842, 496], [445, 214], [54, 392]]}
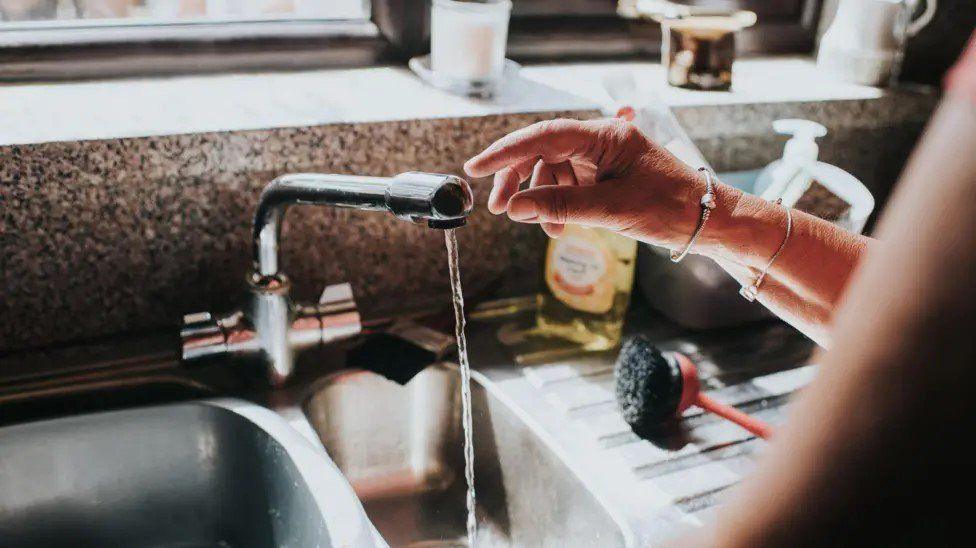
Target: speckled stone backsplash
{"points": [[106, 237]]}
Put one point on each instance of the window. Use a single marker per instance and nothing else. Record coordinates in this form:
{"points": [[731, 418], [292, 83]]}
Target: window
{"points": [[73, 13], [66, 39], [59, 22]]}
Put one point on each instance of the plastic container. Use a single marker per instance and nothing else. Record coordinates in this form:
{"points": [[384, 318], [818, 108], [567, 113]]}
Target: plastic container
{"points": [[848, 188], [785, 176]]}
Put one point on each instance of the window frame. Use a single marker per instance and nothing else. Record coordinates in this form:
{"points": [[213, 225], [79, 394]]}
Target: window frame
{"points": [[99, 49]]}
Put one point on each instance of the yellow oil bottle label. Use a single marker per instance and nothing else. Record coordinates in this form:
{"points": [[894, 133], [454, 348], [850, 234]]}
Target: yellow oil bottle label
{"points": [[580, 271]]}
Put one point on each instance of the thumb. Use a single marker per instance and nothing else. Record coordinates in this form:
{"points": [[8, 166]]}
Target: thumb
{"points": [[560, 204]]}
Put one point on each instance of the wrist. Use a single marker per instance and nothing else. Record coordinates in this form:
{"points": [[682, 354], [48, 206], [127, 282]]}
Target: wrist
{"points": [[743, 228]]}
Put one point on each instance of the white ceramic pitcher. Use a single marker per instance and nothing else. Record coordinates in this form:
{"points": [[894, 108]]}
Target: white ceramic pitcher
{"points": [[866, 40]]}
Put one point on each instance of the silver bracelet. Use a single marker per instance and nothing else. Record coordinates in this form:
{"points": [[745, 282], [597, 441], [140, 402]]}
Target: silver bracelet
{"points": [[707, 204], [751, 292]]}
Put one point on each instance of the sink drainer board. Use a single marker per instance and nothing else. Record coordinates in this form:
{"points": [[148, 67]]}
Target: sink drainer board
{"points": [[190, 474], [400, 447], [683, 475]]}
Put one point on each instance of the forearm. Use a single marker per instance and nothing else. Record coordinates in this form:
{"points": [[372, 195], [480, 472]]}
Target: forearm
{"points": [[809, 317], [809, 276]]}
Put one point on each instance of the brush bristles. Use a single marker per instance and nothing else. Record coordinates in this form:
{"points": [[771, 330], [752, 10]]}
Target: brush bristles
{"points": [[648, 385]]}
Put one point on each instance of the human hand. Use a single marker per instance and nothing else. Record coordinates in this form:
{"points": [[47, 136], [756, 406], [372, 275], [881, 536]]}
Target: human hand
{"points": [[602, 173]]}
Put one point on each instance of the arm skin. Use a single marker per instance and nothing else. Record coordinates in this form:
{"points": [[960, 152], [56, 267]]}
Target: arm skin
{"points": [[605, 173], [877, 436], [807, 279]]}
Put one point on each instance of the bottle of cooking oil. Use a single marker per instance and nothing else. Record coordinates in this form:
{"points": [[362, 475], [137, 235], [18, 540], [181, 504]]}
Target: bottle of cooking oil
{"points": [[589, 273]]}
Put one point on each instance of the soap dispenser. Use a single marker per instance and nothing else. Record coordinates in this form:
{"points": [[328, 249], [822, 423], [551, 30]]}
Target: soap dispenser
{"points": [[789, 177]]}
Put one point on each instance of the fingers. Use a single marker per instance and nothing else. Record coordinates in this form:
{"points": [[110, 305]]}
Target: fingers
{"points": [[543, 175], [506, 184], [559, 205], [553, 230], [565, 174], [553, 174], [552, 141]]}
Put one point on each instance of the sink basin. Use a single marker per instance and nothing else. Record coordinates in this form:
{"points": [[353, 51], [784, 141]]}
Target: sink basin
{"points": [[401, 449], [215, 473]]}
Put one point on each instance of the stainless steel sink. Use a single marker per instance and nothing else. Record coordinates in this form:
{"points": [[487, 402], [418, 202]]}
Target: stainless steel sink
{"points": [[401, 449], [215, 473]]}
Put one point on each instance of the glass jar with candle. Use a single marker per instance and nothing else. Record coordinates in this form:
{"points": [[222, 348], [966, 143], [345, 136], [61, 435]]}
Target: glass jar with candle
{"points": [[467, 42]]}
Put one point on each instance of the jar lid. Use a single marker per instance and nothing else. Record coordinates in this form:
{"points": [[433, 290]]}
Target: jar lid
{"points": [[694, 17], [723, 23]]}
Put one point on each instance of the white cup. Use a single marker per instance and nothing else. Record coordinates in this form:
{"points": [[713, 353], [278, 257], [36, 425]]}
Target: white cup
{"points": [[467, 41], [866, 40]]}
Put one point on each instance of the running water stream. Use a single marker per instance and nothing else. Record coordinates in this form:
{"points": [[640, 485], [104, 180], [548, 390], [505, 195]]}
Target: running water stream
{"points": [[452, 262]]}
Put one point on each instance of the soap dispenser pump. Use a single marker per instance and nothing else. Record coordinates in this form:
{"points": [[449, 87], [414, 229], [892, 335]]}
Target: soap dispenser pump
{"points": [[790, 174]]}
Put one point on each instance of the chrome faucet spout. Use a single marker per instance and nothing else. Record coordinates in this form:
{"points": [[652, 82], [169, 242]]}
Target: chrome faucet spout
{"points": [[443, 201], [270, 328]]}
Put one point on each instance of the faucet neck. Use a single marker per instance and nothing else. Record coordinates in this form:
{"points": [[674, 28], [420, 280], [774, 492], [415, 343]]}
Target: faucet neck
{"points": [[443, 201], [308, 189]]}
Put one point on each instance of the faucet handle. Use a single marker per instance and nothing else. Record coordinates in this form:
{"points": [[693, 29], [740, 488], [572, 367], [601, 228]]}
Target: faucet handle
{"points": [[201, 336], [337, 295], [338, 313], [334, 317]]}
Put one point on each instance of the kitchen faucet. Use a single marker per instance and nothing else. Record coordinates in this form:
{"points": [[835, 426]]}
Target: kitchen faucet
{"points": [[270, 329]]}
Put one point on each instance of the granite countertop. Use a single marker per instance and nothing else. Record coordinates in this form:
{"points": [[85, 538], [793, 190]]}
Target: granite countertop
{"points": [[44, 112]]}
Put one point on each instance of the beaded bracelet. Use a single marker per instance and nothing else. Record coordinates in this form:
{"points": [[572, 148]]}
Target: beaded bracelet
{"points": [[707, 205]]}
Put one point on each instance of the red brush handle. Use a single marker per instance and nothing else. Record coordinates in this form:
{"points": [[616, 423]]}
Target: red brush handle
{"points": [[751, 424]]}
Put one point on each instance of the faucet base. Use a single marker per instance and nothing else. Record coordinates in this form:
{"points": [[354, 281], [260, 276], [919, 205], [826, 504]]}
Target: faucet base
{"points": [[271, 330]]}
